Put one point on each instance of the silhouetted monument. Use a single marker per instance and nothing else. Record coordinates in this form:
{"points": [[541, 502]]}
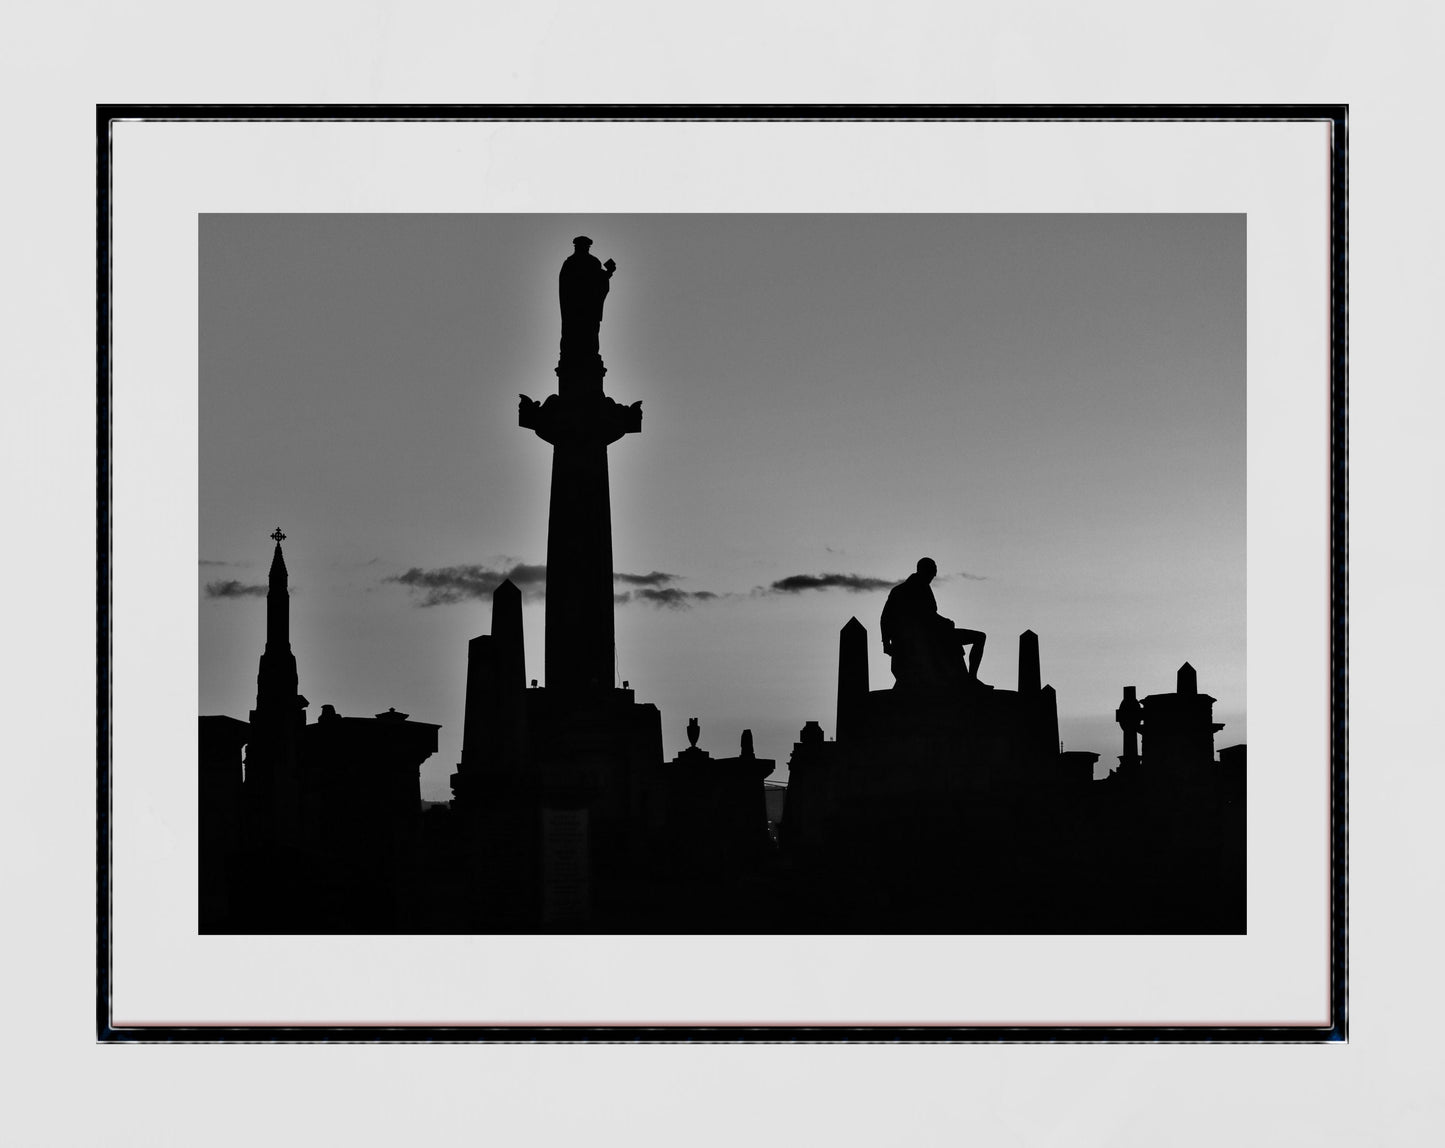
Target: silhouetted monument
{"points": [[273, 780], [570, 814], [580, 422], [318, 829], [582, 288], [494, 721], [1030, 681], [852, 676], [949, 805], [589, 744], [1037, 703], [926, 649], [716, 818], [944, 805], [1179, 728]]}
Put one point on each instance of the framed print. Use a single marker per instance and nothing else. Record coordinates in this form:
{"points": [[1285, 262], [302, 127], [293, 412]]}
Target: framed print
{"points": [[666, 573]]}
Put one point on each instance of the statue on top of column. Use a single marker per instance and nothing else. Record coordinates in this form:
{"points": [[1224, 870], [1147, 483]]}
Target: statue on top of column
{"points": [[579, 411], [582, 287]]}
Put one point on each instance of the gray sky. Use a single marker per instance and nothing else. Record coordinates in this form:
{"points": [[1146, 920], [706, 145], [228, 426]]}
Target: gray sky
{"points": [[1052, 407]]}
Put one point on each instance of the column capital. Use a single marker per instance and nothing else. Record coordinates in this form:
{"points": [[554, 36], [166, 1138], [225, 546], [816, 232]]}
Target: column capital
{"points": [[582, 420]]}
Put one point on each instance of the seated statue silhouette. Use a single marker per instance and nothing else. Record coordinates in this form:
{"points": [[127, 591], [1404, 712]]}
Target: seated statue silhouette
{"points": [[927, 650], [582, 287]]}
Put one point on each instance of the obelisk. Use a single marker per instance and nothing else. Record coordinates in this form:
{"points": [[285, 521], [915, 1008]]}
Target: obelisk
{"points": [[580, 422]]}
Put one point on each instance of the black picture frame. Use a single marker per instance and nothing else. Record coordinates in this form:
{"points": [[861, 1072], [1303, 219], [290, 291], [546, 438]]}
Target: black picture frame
{"points": [[1336, 1030]]}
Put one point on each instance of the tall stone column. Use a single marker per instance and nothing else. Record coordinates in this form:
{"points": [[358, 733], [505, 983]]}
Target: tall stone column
{"points": [[580, 423]]}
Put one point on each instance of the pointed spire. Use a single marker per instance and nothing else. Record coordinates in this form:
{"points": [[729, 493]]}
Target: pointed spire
{"points": [[278, 563], [276, 680], [278, 606]]}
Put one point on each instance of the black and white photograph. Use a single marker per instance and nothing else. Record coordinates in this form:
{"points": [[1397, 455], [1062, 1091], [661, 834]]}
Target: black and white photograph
{"points": [[736, 574]]}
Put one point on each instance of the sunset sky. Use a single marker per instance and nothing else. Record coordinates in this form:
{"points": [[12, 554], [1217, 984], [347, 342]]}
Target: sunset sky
{"points": [[1052, 407]]}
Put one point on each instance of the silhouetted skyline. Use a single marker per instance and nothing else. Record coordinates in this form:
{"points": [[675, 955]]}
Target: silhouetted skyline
{"points": [[1052, 407], [944, 804]]}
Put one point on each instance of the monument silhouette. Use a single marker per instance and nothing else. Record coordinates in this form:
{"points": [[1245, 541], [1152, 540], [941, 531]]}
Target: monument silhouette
{"points": [[943, 803], [568, 814], [946, 804], [580, 423], [316, 828], [925, 648]]}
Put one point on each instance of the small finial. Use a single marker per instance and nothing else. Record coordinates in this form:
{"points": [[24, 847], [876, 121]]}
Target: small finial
{"points": [[277, 535], [692, 732]]}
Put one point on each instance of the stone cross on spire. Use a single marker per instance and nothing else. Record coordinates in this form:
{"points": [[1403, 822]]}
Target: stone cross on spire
{"points": [[277, 535]]}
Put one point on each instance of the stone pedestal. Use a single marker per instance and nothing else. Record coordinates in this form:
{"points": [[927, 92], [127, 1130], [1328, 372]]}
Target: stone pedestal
{"points": [[580, 425]]}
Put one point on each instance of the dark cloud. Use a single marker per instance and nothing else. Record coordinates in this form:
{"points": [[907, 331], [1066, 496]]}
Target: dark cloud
{"points": [[669, 596], [449, 584], [232, 589], [215, 562], [856, 583], [972, 577], [656, 578]]}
